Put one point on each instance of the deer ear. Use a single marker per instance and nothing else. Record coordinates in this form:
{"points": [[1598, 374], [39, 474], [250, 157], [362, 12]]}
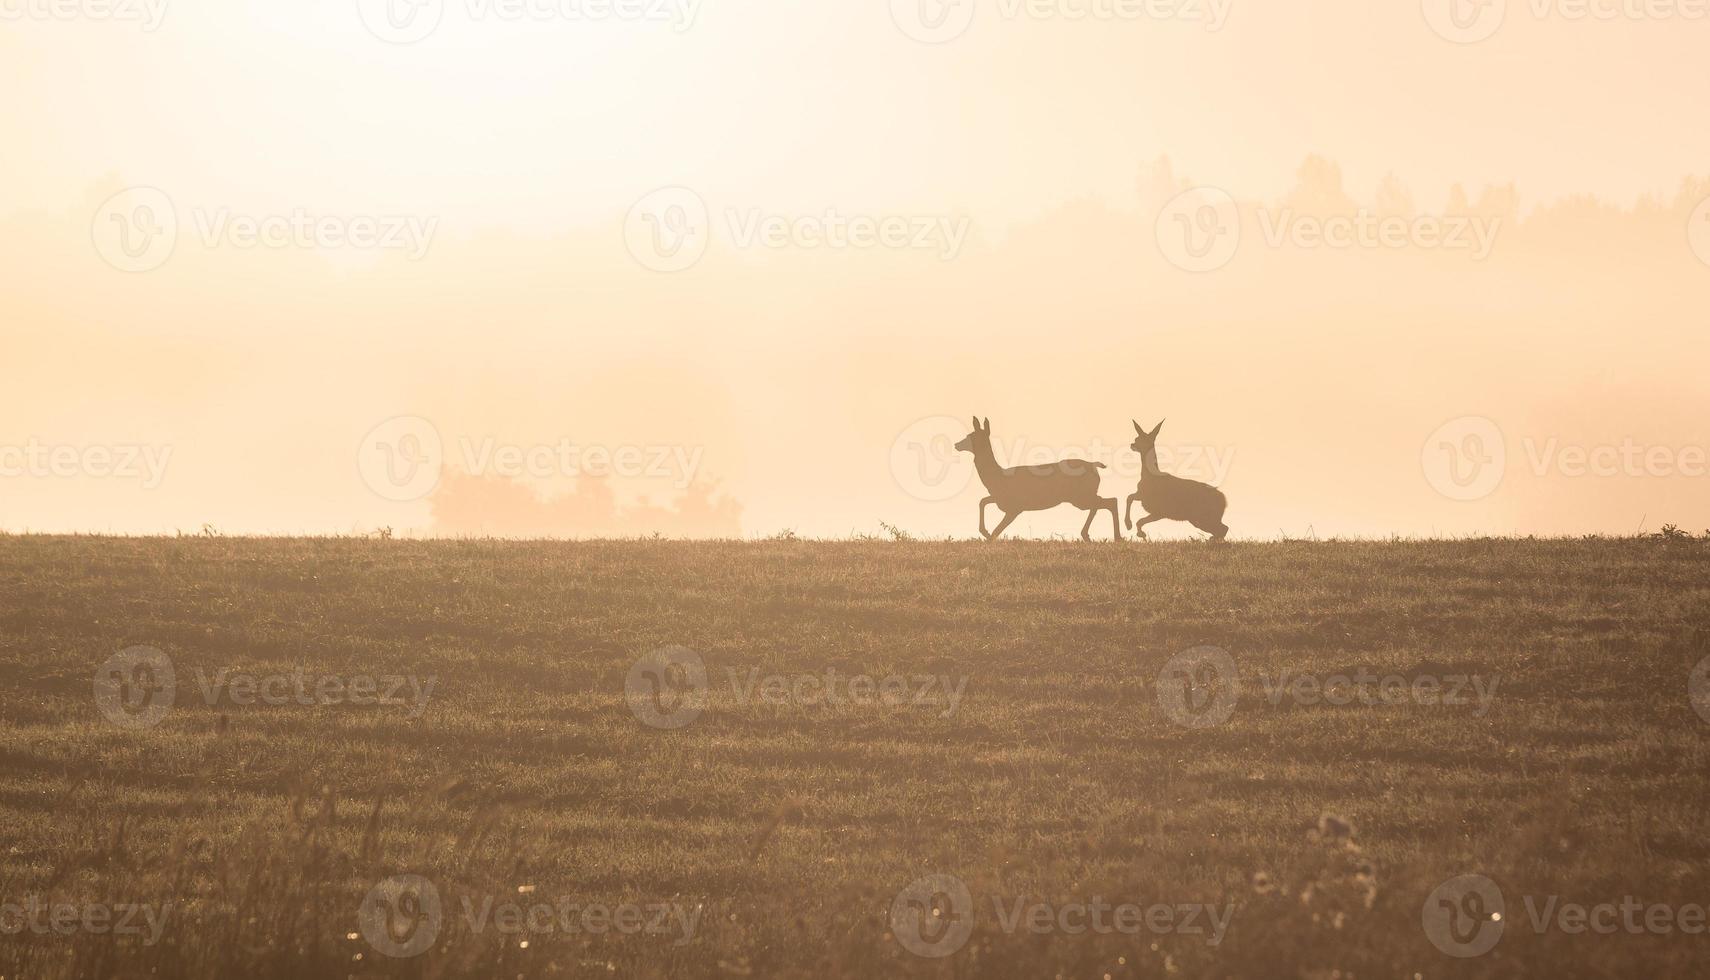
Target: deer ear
{"points": [[1158, 428], [976, 423], [988, 423], [1137, 430]]}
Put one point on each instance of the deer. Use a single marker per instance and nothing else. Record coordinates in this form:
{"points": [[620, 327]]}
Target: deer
{"points": [[1018, 489], [1170, 498]]}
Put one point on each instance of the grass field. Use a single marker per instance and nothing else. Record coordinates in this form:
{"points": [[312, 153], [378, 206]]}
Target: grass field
{"points": [[1039, 747]]}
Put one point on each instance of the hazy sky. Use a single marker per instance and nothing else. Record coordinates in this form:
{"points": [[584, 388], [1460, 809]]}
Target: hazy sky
{"points": [[765, 246]]}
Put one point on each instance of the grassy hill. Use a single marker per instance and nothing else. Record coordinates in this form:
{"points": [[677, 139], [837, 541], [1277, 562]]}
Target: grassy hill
{"points": [[1291, 745]]}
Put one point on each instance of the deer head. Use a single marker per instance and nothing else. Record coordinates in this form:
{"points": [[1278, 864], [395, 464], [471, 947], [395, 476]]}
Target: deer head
{"points": [[1145, 442], [979, 440]]}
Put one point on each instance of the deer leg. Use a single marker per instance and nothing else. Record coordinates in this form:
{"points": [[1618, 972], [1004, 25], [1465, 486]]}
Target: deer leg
{"points": [[1140, 528], [1008, 517], [1091, 513], [1128, 513], [1115, 527], [1217, 529], [983, 532]]}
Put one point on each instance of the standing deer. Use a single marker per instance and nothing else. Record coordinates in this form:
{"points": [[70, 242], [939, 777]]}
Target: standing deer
{"points": [[1018, 489], [1171, 498]]}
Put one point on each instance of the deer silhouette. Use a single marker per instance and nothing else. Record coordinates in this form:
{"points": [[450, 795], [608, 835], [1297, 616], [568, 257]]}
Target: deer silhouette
{"points": [[1170, 498], [1018, 489]]}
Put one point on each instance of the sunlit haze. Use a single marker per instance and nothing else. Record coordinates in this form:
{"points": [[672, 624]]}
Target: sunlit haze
{"points": [[755, 265]]}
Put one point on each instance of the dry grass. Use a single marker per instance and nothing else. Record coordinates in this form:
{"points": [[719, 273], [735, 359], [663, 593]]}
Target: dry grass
{"points": [[789, 828]]}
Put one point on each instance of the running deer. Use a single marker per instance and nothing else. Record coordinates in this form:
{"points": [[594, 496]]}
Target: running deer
{"points": [[1170, 498], [1018, 489]]}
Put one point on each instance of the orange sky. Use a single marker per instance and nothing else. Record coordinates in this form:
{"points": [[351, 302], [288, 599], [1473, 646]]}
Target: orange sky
{"points": [[870, 231]]}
